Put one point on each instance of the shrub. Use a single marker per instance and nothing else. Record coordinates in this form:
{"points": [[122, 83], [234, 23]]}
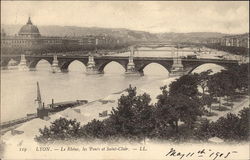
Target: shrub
{"points": [[231, 127], [60, 129], [94, 129]]}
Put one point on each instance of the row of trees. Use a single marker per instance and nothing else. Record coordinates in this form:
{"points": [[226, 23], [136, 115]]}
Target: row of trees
{"points": [[228, 83], [231, 49], [231, 127], [134, 119], [173, 117]]}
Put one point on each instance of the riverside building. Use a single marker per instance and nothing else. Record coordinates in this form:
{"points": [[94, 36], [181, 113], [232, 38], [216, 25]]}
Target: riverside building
{"points": [[30, 39]]}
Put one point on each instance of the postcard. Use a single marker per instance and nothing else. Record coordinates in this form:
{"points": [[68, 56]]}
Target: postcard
{"points": [[162, 80]]}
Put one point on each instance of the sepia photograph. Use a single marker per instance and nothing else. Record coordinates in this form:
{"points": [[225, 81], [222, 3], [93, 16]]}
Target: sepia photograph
{"points": [[125, 80]]}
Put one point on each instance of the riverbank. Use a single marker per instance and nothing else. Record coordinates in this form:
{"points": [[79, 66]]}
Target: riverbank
{"points": [[26, 133], [23, 136], [92, 110]]}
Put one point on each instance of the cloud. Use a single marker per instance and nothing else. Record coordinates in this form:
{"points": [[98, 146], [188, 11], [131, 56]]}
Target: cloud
{"points": [[159, 16]]}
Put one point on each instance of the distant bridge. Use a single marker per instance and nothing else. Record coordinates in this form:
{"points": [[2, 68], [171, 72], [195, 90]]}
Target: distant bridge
{"points": [[130, 64], [161, 44], [168, 50]]}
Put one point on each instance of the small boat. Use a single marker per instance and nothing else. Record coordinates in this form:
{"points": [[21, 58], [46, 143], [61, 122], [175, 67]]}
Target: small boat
{"points": [[56, 107], [43, 111]]}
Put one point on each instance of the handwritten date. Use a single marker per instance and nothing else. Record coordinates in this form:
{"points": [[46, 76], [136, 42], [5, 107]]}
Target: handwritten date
{"points": [[208, 153]]}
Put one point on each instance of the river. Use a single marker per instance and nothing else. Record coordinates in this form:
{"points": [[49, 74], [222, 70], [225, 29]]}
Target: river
{"points": [[18, 88]]}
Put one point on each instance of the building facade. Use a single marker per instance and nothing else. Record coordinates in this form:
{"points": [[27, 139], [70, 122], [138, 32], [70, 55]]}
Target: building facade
{"points": [[241, 40], [29, 38]]}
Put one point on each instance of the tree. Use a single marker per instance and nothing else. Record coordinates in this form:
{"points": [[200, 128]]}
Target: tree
{"points": [[204, 131], [162, 114], [244, 132], [231, 127], [94, 129], [174, 108], [132, 117], [207, 100], [240, 76], [60, 129], [186, 85], [220, 85], [228, 86], [227, 127]]}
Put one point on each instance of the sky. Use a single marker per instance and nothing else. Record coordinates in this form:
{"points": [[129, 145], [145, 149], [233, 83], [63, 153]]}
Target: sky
{"points": [[153, 16]]}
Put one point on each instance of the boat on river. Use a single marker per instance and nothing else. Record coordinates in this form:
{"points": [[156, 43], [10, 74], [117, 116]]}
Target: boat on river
{"points": [[56, 107], [42, 112]]}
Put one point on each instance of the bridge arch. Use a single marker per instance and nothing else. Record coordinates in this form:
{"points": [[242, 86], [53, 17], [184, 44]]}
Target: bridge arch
{"points": [[142, 67], [103, 65], [34, 62], [64, 64], [213, 66], [79, 65]]}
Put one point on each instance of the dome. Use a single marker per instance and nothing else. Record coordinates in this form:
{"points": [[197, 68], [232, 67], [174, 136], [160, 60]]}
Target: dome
{"points": [[29, 30]]}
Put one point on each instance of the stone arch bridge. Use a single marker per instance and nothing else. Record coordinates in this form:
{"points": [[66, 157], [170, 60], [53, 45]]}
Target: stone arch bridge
{"points": [[132, 65]]}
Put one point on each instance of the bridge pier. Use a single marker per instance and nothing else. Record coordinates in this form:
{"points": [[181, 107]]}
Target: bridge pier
{"points": [[176, 71], [131, 70], [91, 67], [177, 67], [131, 65], [23, 64], [54, 67]]}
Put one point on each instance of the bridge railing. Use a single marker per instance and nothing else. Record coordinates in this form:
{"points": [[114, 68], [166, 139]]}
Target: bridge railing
{"points": [[126, 57]]}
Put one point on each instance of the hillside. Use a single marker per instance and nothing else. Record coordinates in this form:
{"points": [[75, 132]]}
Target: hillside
{"points": [[190, 37], [126, 34], [73, 31]]}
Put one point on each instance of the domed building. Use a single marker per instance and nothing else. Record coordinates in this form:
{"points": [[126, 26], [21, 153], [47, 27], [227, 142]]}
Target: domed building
{"points": [[29, 38], [29, 30]]}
